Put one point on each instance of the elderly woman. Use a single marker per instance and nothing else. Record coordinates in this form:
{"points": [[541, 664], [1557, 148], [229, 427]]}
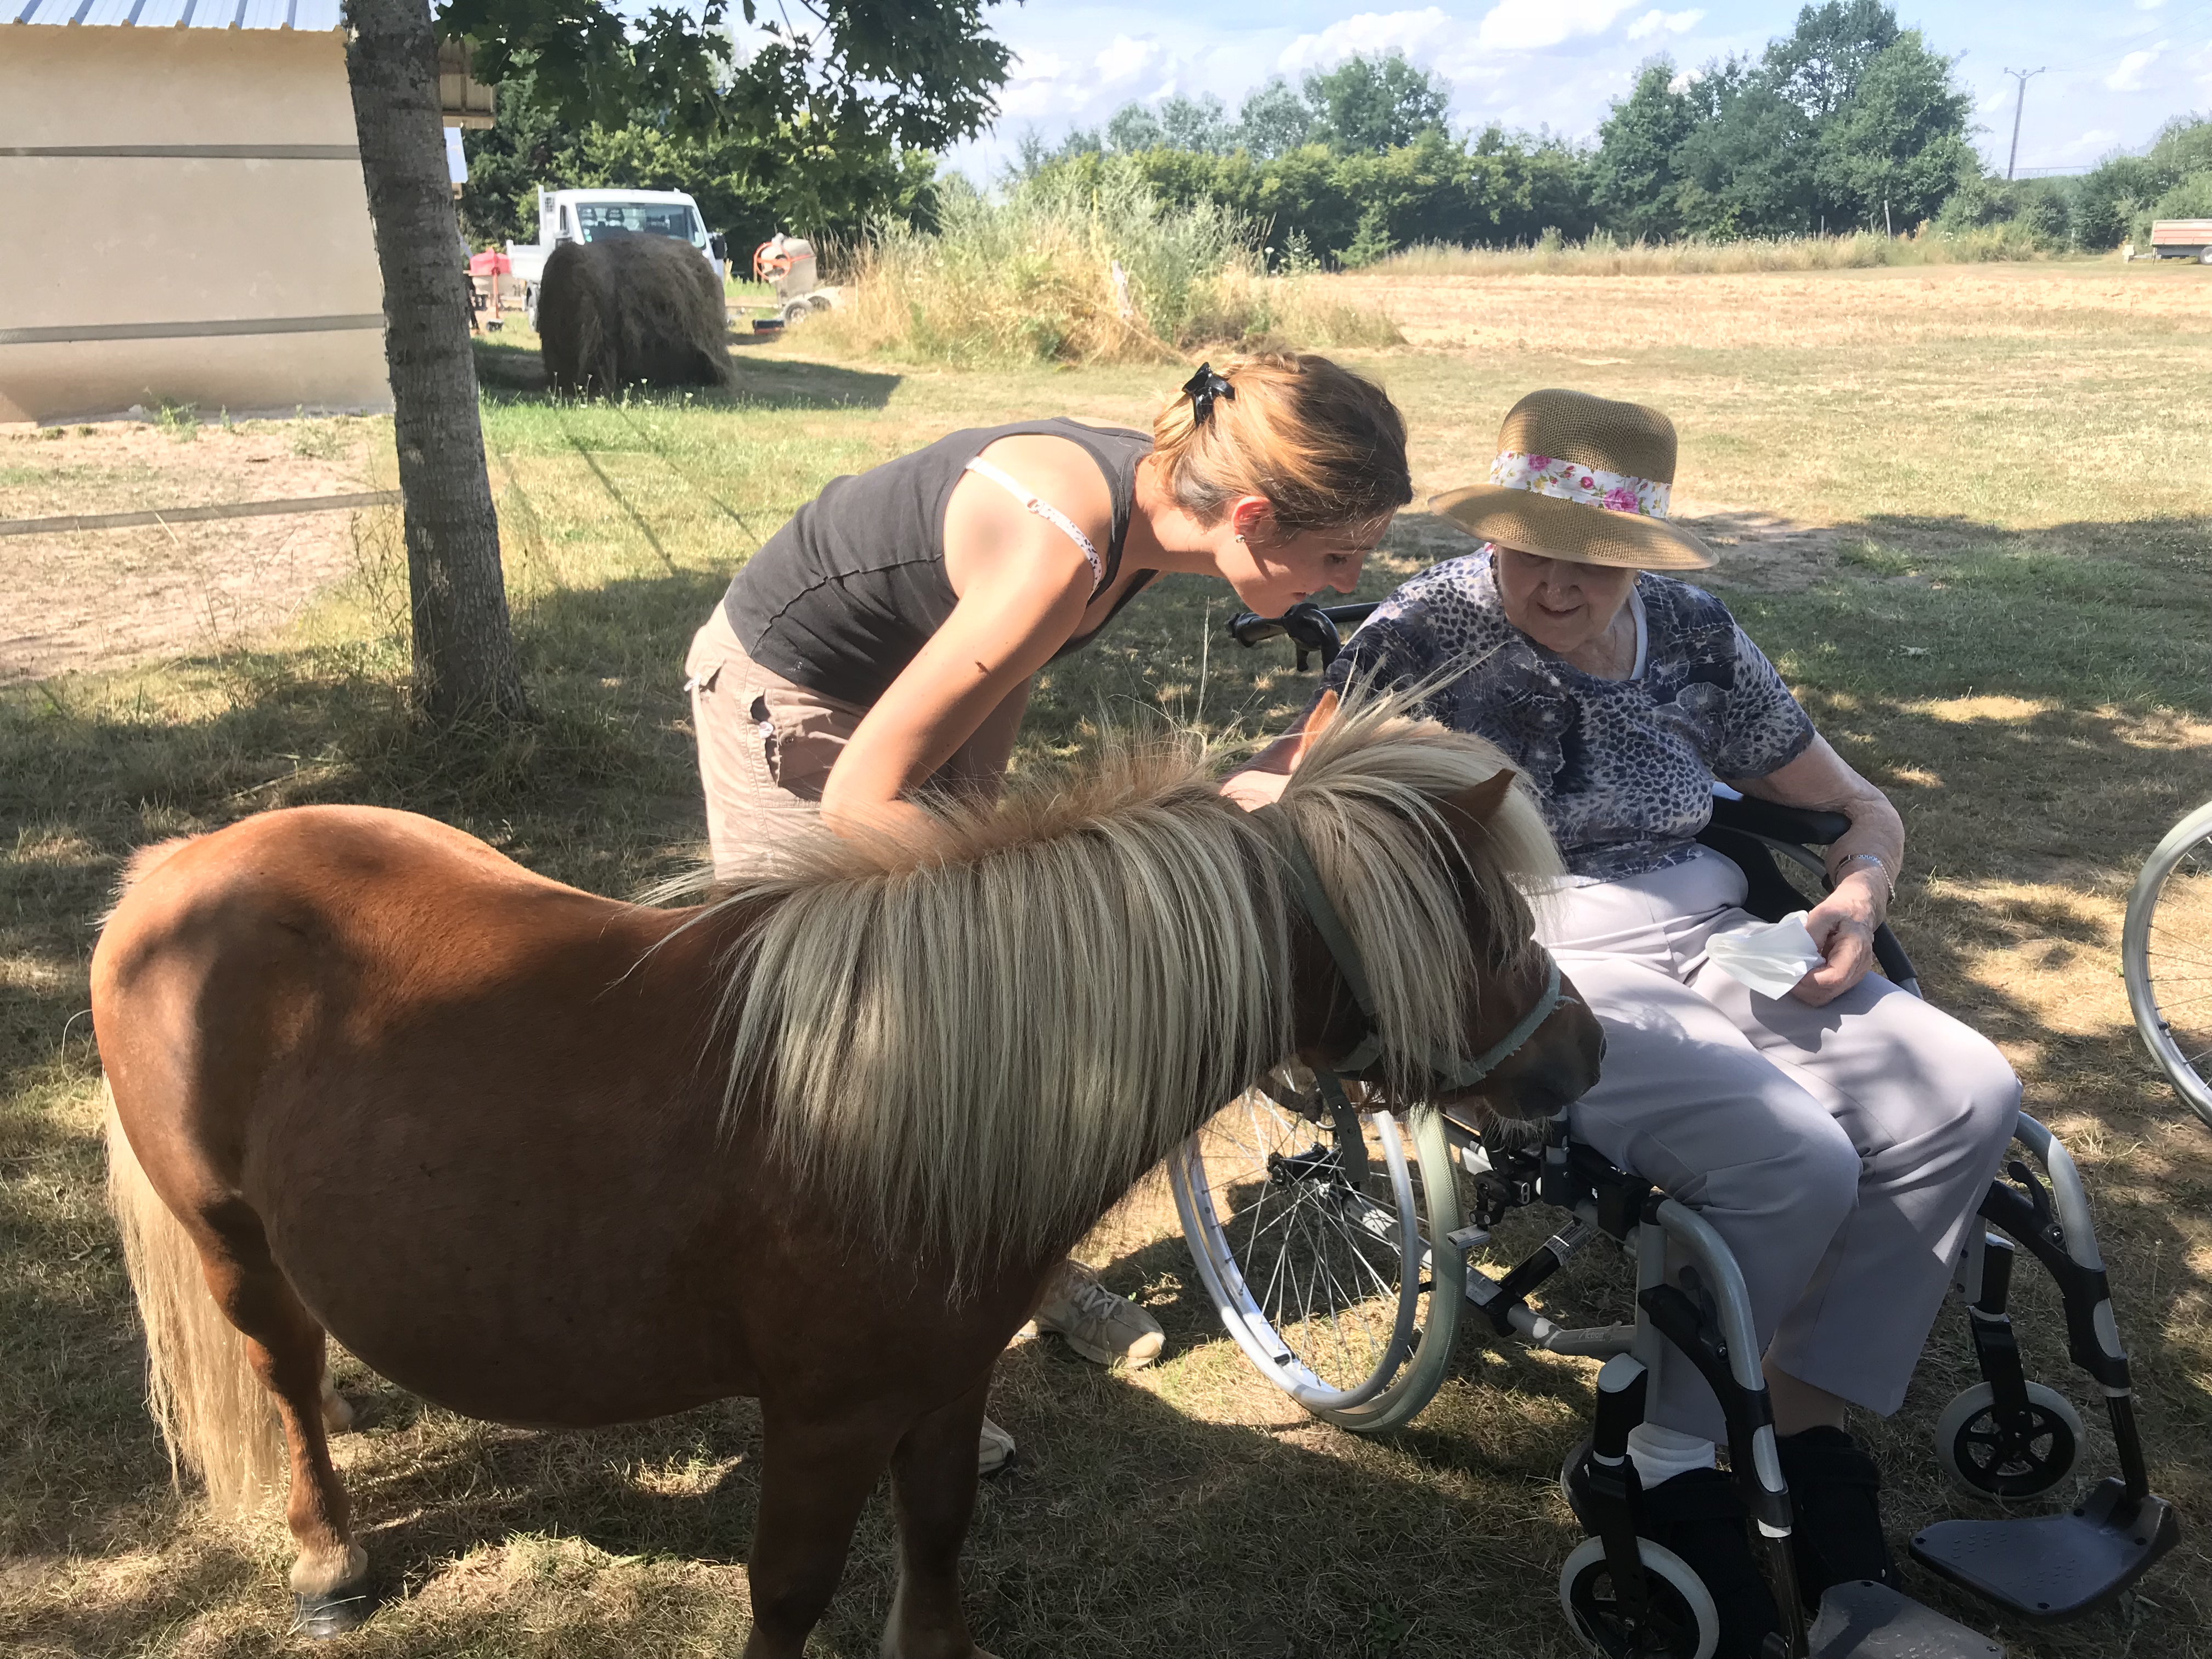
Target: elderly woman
{"points": [[1839, 1137]]}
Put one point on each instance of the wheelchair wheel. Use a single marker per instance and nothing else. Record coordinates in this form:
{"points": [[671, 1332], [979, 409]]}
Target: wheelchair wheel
{"points": [[1679, 1622], [1983, 1456], [1311, 1231], [2166, 953]]}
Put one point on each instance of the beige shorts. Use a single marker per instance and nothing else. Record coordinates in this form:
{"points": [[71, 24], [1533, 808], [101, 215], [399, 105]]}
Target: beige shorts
{"points": [[766, 746]]}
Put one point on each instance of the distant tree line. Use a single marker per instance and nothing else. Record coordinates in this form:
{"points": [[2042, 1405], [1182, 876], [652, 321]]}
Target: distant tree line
{"points": [[1848, 122], [1342, 169], [2118, 202]]}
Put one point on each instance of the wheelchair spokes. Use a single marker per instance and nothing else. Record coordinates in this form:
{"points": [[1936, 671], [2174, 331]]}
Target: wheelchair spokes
{"points": [[2167, 954], [1320, 1252], [1311, 1224]]}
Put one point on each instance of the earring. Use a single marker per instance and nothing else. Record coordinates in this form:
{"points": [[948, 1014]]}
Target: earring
{"points": [[1240, 536]]}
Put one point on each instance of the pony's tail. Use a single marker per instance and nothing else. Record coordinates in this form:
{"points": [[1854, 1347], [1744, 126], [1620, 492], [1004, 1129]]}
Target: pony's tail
{"points": [[215, 1417]]}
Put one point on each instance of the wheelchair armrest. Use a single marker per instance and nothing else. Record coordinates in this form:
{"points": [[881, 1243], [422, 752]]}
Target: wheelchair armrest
{"points": [[1765, 818], [1896, 966], [1739, 820]]}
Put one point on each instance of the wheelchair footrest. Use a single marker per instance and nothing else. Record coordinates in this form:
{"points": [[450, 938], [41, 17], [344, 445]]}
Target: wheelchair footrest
{"points": [[1867, 1620], [2054, 1566]]}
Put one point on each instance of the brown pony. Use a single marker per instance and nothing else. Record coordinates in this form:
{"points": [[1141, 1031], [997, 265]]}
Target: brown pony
{"points": [[551, 1159]]}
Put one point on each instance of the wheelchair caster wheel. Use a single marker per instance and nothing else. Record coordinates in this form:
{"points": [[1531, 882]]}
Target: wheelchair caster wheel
{"points": [[1680, 1621], [1991, 1460]]}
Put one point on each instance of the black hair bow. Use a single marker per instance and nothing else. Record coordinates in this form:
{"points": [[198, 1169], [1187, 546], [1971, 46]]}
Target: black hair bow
{"points": [[1202, 388]]}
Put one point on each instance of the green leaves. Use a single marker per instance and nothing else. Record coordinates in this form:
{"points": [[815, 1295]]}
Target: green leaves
{"points": [[802, 174], [1370, 105], [589, 63], [1843, 116], [1353, 208], [919, 73], [1899, 141]]}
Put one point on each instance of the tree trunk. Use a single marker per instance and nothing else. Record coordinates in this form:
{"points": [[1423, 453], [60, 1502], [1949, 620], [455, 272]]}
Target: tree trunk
{"points": [[465, 659]]}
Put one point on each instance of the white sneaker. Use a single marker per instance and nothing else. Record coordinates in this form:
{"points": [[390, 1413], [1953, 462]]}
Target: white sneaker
{"points": [[1096, 1323], [996, 1451]]}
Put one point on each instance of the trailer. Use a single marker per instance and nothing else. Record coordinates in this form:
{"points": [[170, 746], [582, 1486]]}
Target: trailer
{"points": [[2179, 239]]}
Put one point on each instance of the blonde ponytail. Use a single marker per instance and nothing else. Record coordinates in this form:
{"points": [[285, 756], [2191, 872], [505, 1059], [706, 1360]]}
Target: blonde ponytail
{"points": [[1326, 446]]}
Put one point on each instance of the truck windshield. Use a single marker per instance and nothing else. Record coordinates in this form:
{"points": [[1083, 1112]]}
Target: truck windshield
{"points": [[600, 222]]}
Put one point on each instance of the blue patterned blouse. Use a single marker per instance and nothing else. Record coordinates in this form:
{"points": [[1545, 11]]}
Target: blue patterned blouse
{"points": [[1623, 769]]}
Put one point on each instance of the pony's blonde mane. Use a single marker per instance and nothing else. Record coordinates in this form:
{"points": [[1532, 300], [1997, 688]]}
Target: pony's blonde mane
{"points": [[974, 1046]]}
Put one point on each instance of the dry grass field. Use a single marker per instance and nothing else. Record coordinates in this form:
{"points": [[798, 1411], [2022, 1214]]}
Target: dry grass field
{"points": [[1966, 509]]}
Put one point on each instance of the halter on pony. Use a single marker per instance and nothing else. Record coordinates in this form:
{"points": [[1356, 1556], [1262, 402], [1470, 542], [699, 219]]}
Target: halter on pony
{"points": [[1321, 911]]}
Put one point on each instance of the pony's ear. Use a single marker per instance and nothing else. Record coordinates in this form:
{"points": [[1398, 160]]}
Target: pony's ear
{"points": [[1471, 808], [1316, 723]]}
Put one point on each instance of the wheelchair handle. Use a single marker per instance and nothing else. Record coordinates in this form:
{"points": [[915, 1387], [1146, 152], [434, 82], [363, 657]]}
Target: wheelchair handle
{"points": [[1765, 818], [1312, 628]]}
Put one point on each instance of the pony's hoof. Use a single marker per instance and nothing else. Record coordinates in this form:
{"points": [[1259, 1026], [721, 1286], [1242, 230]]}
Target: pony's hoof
{"points": [[334, 1614]]}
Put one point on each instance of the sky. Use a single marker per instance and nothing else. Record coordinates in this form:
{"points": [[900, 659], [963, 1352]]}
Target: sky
{"points": [[2114, 70]]}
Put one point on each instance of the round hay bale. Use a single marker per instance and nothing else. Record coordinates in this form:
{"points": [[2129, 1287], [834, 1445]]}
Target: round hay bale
{"points": [[631, 311]]}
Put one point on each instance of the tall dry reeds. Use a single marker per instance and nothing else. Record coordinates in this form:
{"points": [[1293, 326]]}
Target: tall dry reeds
{"points": [[1603, 256], [1057, 269]]}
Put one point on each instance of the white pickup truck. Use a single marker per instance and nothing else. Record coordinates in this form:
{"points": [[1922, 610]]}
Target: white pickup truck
{"points": [[594, 216]]}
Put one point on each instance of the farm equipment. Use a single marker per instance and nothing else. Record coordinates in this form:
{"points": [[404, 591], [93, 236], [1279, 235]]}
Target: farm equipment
{"points": [[597, 215], [788, 266], [2179, 239]]}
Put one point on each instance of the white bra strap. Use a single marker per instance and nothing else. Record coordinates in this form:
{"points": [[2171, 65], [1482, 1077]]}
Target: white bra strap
{"points": [[1051, 515]]}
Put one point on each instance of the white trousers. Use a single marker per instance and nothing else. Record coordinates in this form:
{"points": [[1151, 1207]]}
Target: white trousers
{"points": [[1842, 1152]]}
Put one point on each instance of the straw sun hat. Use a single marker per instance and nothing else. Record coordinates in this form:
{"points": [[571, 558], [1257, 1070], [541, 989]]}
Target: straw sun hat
{"points": [[1581, 478]]}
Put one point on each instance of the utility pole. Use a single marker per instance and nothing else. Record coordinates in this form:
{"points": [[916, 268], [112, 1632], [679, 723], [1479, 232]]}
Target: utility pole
{"points": [[2023, 77]]}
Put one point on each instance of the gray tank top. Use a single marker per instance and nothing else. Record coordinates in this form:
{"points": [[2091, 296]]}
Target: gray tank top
{"points": [[842, 598]]}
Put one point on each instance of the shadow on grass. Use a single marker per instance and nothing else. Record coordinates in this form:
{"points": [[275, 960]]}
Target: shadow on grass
{"points": [[1118, 1533], [515, 373]]}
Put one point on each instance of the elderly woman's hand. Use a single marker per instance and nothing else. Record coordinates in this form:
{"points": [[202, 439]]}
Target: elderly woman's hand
{"points": [[1843, 926], [1862, 862]]}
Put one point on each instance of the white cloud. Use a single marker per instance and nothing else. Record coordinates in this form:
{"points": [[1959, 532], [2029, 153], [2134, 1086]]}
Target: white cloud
{"points": [[2129, 77], [1126, 58], [1419, 35], [2149, 5], [1040, 85], [1674, 22], [2095, 141], [1532, 25]]}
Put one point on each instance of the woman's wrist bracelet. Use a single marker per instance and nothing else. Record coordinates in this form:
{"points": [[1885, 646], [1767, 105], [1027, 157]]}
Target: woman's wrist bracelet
{"points": [[1875, 860]]}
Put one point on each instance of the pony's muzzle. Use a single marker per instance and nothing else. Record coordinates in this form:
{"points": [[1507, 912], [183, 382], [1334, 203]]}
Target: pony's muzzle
{"points": [[1557, 1066]]}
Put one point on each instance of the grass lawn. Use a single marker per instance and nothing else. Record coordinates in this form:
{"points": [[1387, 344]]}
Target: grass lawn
{"points": [[1965, 508]]}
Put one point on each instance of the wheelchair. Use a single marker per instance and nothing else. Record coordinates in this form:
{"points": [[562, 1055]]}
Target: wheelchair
{"points": [[1333, 1230]]}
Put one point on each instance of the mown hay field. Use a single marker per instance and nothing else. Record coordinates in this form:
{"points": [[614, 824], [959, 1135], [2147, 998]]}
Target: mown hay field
{"points": [[1965, 508]]}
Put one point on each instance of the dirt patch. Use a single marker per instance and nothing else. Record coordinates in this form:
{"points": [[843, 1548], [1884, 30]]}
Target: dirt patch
{"points": [[1761, 549], [89, 600]]}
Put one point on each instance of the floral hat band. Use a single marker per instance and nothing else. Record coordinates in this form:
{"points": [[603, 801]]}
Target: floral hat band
{"points": [[1569, 481], [1610, 505]]}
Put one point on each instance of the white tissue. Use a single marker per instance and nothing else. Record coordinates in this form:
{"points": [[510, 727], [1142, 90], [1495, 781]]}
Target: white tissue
{"points": [[1769, 957]]}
